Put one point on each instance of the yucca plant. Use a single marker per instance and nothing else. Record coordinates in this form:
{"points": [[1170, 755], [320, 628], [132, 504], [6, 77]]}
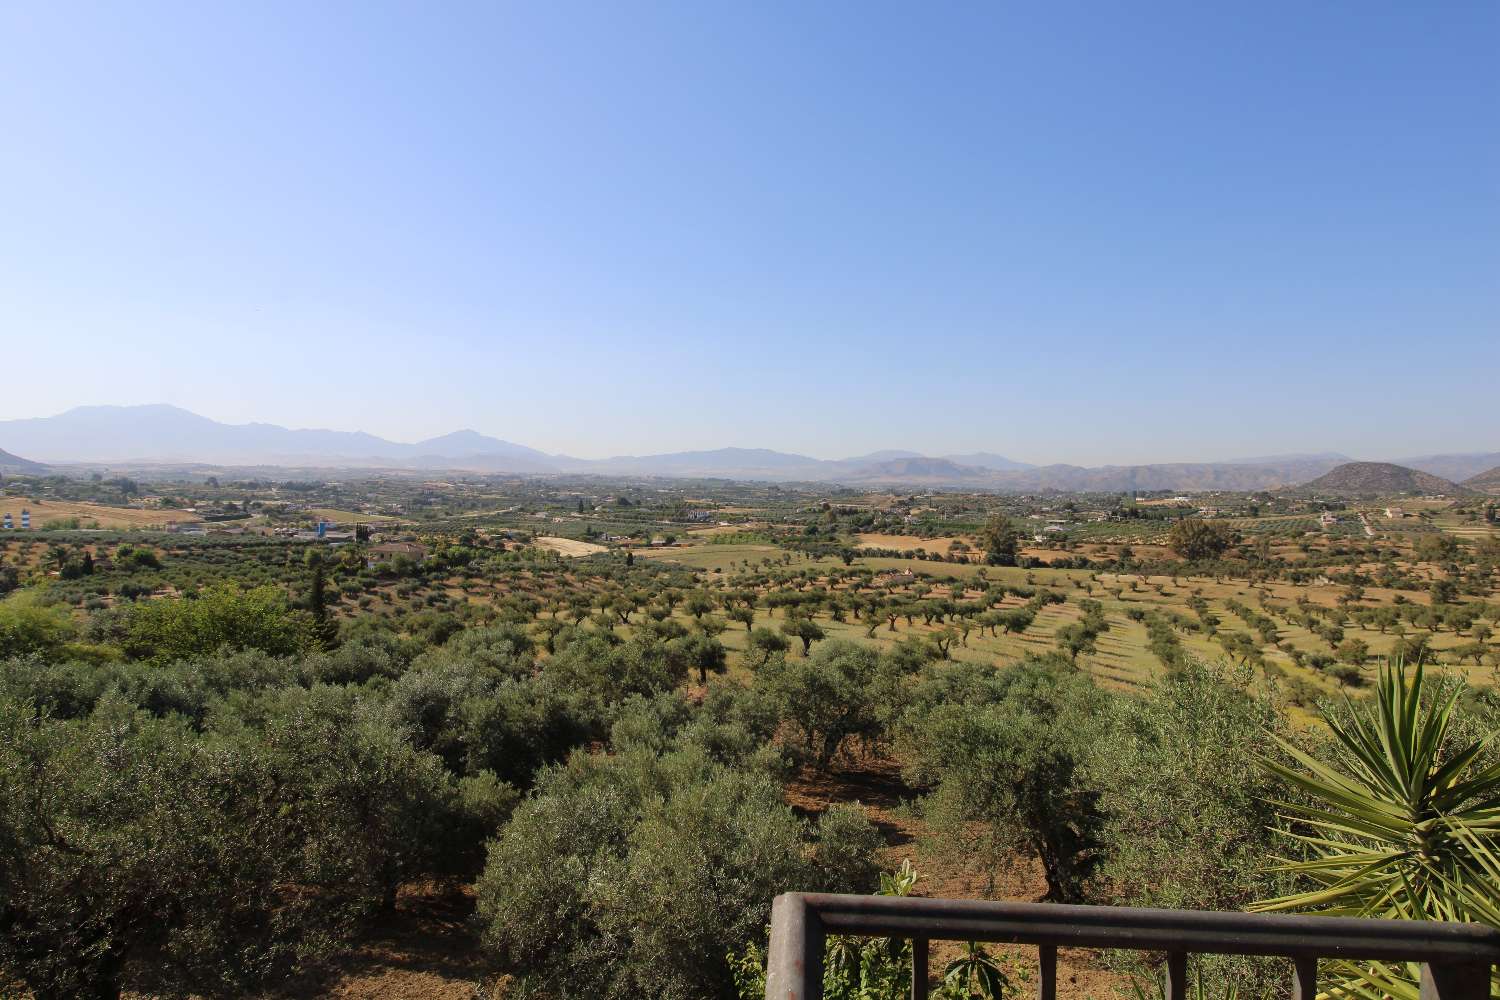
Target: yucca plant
{"points": [[1401, 824]]}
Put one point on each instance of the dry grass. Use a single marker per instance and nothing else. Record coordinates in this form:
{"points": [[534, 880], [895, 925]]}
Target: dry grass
{"points": [[711, 557], [570, 547], [874, 782], [51, 511], [717, 529], [910, 543]]}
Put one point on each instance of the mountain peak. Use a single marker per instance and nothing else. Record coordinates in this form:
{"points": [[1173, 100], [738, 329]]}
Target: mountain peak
{"points": [[132, 409]]}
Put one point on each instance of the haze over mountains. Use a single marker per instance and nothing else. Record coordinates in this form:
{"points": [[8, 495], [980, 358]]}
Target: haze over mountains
{"points": [[161, 433], [167, 434]]}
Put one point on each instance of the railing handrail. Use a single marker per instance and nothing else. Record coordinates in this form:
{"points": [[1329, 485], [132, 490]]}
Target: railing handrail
{"points": [[799, 922]]}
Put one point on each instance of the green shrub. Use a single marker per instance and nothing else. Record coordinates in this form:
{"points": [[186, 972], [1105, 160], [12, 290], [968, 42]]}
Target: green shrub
{"points": [[222, 617], [633, 876]]}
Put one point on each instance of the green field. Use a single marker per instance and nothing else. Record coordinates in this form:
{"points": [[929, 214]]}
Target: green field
{"points": [[1122, 657]]}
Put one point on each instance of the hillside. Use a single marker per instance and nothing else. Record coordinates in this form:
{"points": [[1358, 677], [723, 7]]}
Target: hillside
{"points": [[989, 460], [1455, 468], [1379, 478], [1171, 476], [15, 463], [1485, 482], [916, 470]]}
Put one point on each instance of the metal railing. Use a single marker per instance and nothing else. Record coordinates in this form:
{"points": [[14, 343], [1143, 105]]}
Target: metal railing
{"points": [[1456, 958]]}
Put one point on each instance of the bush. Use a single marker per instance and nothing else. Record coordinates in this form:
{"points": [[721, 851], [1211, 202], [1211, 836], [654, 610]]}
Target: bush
{"points": [[828, 697], [120, 832], [223, 617], [1005, 769], [1195, 539], [30, 627], [1189, 818], [633, 876]]}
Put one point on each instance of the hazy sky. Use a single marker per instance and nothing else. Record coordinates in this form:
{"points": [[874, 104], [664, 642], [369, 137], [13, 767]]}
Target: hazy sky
{"points": [[1106, 232]]}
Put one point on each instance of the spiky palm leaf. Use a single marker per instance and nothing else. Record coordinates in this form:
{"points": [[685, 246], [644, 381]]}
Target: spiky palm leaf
{"points": [[1403, 825]]}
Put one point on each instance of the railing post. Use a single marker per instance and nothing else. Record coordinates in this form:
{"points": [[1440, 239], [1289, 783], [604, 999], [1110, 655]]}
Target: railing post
{"points": [[1046, 980], [1459, 957], [794, 960], [1305, 979], [1176, 975], [1450, 981]]}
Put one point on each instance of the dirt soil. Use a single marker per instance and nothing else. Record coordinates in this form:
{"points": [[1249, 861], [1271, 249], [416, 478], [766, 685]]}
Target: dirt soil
{"points": [[876, 784], [911, 543], [426, 950], [48, 511]]}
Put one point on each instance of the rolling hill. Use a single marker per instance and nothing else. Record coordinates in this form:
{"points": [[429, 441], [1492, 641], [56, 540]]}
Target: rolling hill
{"points": [[15, 463], [1455, 468], [1485, 482], [1379, 478], [1188, 476]]}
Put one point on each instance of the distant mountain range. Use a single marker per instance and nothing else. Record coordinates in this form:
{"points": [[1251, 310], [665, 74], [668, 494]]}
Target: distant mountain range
{"points": [[1456, 468], [167, 434], [161, 433]]}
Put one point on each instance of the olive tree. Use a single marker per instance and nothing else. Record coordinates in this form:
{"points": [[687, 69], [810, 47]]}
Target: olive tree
{"points": [[1004, 766], [635, 875]]}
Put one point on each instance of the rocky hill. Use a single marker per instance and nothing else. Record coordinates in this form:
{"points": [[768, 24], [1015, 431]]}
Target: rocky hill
{"points": [[1379, 478], [1485, 482]]}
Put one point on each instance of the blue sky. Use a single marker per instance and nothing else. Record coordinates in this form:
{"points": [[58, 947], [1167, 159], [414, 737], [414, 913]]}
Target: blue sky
{"points": [[1096, 233]]}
